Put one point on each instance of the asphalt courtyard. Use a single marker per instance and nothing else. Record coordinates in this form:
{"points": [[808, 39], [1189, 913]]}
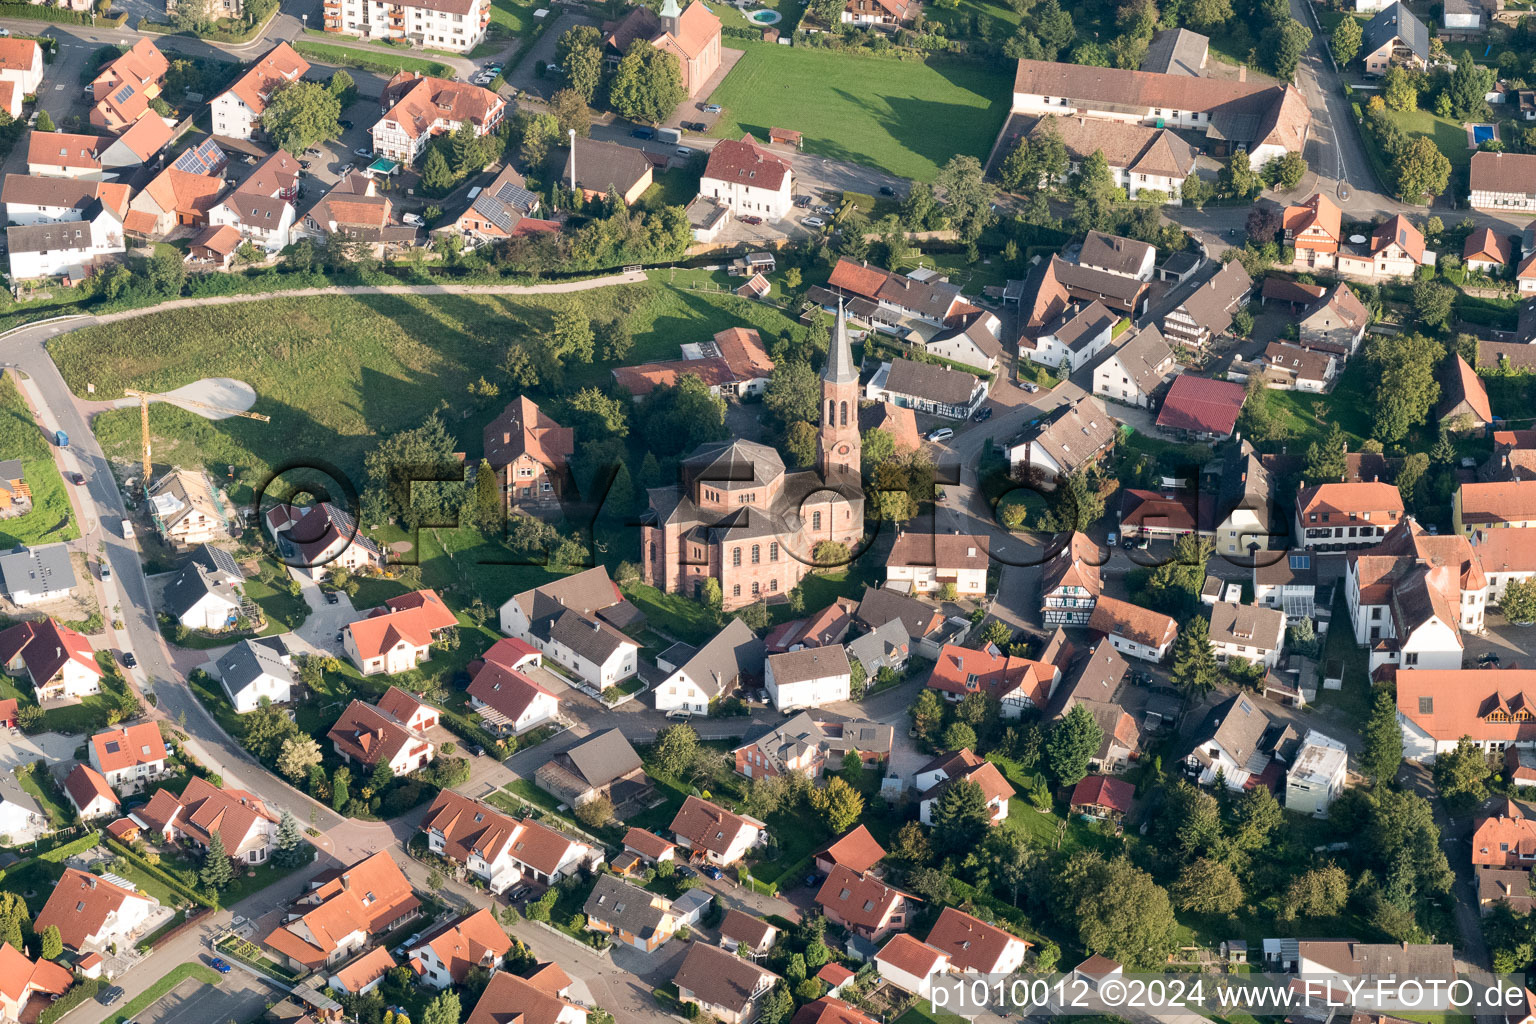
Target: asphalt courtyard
{"points": [[237, 997]]}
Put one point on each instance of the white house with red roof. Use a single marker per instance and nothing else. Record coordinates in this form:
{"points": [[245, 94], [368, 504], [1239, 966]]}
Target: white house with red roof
{"points": [[418, 108], [87, 789], [21, 72], [21, 979], [499, 849], [974, 946], [372, 736], [394, 637], [933, 778], [241, 820], [58, 661], [1336, 517], [318, 538], [711, 833], [454, 25], [749, 179], [1017, 684], [509, 702], [911, 964], [93, 913], [342, 910], [446, 956], [129, 757], [237, 110]]}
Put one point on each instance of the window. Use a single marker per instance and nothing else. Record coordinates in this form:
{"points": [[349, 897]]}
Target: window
{"points": [[735, 556], [756, 554], [815, 520], [773, 586], [843, 419], [736, 590], [773, 552], [756, 588]]}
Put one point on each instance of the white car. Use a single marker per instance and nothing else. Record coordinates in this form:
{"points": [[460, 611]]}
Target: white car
{"points": [[942, 434], [814, 222]]}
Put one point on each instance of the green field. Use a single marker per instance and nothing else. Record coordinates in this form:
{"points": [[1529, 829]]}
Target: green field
{"points": [[351, 56], [1449, 137], [21, 438], [337, 373], [904, 116]]}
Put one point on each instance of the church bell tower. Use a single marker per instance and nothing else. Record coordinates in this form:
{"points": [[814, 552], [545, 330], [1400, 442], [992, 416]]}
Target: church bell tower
{"points": [[838, 442]]}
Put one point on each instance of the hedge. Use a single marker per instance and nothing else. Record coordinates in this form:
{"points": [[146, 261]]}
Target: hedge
{"points": [[164, 876], [57, 15], [79, 992], [59, 854]]}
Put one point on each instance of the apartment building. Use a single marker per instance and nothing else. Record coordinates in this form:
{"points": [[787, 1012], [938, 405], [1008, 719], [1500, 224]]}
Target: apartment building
{"points": [[456, 25]]}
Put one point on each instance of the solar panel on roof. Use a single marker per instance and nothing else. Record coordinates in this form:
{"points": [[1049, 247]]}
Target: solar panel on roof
{"points": [[121, 96]]}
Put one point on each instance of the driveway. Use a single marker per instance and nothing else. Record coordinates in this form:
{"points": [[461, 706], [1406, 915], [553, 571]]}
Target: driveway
{"points": [[325, 619], [17, 748], [238, 996]]}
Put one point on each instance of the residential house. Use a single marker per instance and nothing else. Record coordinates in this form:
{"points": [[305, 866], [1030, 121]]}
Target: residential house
{"points": [[58, 661], [22, 819], [121, 92], [1070, 583], [1237, 748], [715, 835], [1395, 250], [646, 848], [15, 492], [1017, 684], [1177, 51], [37, 575], [1494, 506], [1337, 517], [803, 744], [543, 998], [975, 947], [599, 168], [603, 765], [927, 628], [970, 339], [584, 609], [93, 914], [1318, 775], [67, 249], [629, 914], [1335, 323], [1413, 595], [371, 736], [255, 670], [733, 364], [1163, 516], [1434, 966], [1112, 254], [502, 210], [317, 539], [21, 979], [243, 823], [89, 793], [1201, 409], [1504, 555], [929, 562], [943, 771], [1462, 17], [890, 302], [720, 983], [1102, 797], [1265, 120], [733, 656], [690, 35], [1073, 338], [1287, 582], [855, 850], [1315, 230], [398, 635], [457, 26], [529, 454], [1119, 293], [885, 646], [1135, 370], [342, 911], [261, 207], [911, 965], [1394, 36], [416, 109], [445, 956], [31, 200], [740, 931], [807, 678], [749, 179], [509, 702], [1096, 681], [173, 198], [1486, 250], [1464, 407], [1067, 441], [21, 73], [364, 974], [355, 209], [1293, 368], [1247, 631], [927, 388], [1133, 630], [237, 110], [862, 904], [187, 510], [887, 14], [139, 145], [1141, 158], [207, 592], [1438, 707], [1505, 840], [1208, 311], [501, 850]]}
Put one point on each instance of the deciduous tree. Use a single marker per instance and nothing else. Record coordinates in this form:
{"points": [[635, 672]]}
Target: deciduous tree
{"points": [[1072, 743], [300, 115], [1347, 37], [1208, 887], [648, 84], [838, 803]]}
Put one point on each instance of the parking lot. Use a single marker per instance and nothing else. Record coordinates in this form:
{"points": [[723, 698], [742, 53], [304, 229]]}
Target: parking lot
{"points": [[238, 996]]}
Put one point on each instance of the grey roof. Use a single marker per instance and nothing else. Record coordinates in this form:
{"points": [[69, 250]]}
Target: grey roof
{"points": [[1076, 433], [603, 758], [625, 907], [1146, 357], [193, 583], [1297, 567], [1081, 324], [11, 469], [74, 234], [719, 978], [247, 662], [40, 570], [1114, 254], [1247, 625], [840, 367], [1098, 678], [12, 793], [1125, 291], [935, 383], [884, 645], [1176, 51], [733, 652], [1240, 725], [506, 200], [591, 638], [588, 592], [1244, 484], [218, 561], [1396, 21], [1211, 305], [604, 165], [808, 663], [882, 606]]}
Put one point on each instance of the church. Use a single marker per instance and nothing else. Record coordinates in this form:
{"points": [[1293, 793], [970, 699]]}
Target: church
{"points": [[691, 35], [739, 517]]}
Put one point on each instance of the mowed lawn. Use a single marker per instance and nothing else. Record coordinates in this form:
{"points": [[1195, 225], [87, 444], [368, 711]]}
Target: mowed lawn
{"points": [[904, 116], [1449, 137], [22, 438]]}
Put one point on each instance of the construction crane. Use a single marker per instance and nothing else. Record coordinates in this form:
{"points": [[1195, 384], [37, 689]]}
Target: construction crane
{"points": [[145, 397]]}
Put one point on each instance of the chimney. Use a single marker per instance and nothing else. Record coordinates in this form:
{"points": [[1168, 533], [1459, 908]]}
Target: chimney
{"points": [[506, 438], [1242, 72]]}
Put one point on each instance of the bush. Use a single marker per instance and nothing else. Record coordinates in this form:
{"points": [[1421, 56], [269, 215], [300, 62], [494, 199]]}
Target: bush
{"points": [[82, 990]]}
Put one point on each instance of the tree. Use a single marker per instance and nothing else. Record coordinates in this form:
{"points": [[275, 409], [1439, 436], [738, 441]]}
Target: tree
{"points": [[966, 194], [927, 712], [1073, 740], [1399, 90], [51, 944], [1208, 13], [1328, 459], [436, 175], [778, 1006], [489, 504], [961, 818], [1195, 672], [1116, 908], [1469, 84], [1401, 378], [677, 747], [1433, 303], [1519, 601], [959, 736], [794, 392], [1422, 170], [442, 1010], [572, 336], [1191, 821], [297, 754], [1076, 505], [1285, 42], [1285, 172], [1176, 583], [839, 803], [342, 87], [648, 84], [1208, 887], [570, 110], [340, 794], [1237, 180], [1347, 37], [165, 271], [595, 813], [44, 122], [1409, 476], [1258, 816], [1053, 29], [1094, 190], [217, 873], [997, 633], [1383, 749], [1462, 774], [292, 850], [300, 115], [537, 134], [1321, 892]]}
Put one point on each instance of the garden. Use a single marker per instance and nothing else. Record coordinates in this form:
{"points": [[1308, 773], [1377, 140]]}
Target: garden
{"points": [[50, 519]]}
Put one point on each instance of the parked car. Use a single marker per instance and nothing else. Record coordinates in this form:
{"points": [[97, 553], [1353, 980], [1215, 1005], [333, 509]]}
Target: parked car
{"points": [[128, 529], [106, 571], [519, 893], [941, 434], [683, 151], [304, 164], [332, 597], [814, 222], [684, 871], [339, 637], [110, 995], [750, 219], [696, 126], [712, 108], [1489, 658], [642, 132], [363, 151], [814, 879], [130, 660], [710, 871], [348, 169], [4, 32], [218, 964], [1029, 385], [347, 125], [77, 478], [886, 190], [679, 715]]}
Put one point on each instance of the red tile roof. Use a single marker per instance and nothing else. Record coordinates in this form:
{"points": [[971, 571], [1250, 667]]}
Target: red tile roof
{"points": [[1376, 498], [907, 954], [121, 748], [370, 896], [80, 905], [366, 969], [45, 648], [856, 850], [1202, 405], [410, 617], [827, 1010], [60, 149], [1490, 705], [468, 942], [709, 826], [509, 999], [647, 844], [20, 977], [1487, 245], [276, 67], [747, 163], [1509, 501], [420, 103], [524, 429], [970, 943], [84, 784], [1133, 622], [1103, 791], [371, 736], [1504, 841], [505, 690], [963, 670]]}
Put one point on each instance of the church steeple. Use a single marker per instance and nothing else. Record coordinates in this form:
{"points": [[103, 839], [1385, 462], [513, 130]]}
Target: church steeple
{"points": [[671, 13], [839, 449]]}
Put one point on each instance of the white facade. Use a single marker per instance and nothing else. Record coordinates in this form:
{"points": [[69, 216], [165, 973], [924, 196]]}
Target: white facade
{"points": [[743, 198], [274, 688], [268, 232], [919, 985], [807, 693], [1049, 351], [232, 117], [69, 245], [499, 873], [618, 666], [678, 692], [544, 707], [211, 611], [1434, 644], [1112, 379], [419, 25], [1317, 777], [1257, 653], [1135, 649], [924, 579]]}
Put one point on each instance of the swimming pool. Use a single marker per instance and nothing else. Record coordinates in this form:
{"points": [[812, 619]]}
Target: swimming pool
{"points": [[765, 17], [1482, 133]]}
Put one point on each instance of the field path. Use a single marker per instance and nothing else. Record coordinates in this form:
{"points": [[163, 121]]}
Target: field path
{"points": [[553, 288]]}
